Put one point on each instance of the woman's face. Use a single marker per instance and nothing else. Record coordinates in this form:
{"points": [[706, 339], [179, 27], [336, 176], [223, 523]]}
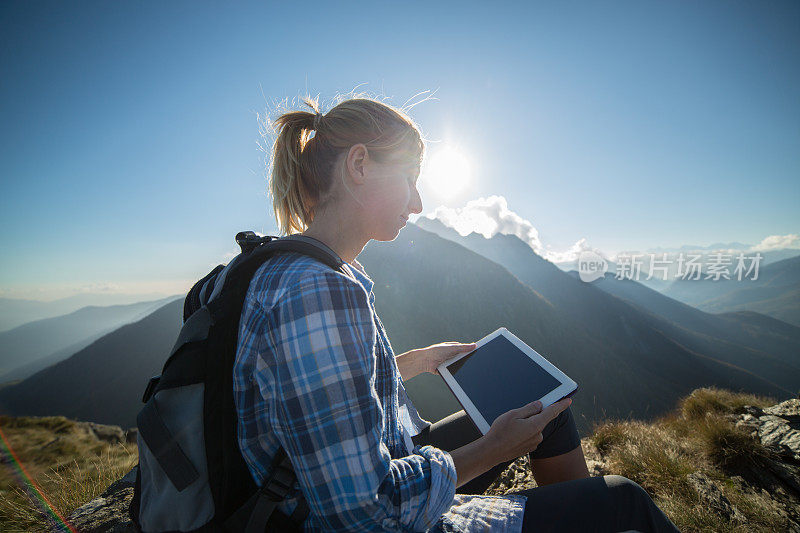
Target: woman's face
{"points": [[390, 195]]}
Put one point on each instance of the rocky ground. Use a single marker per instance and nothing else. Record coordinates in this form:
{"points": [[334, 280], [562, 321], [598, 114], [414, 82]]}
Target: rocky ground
{"points": [[776, 475]]}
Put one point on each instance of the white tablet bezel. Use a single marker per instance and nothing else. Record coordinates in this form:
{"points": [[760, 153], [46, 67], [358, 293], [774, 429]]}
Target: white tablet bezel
{"points": [[567, 387]]}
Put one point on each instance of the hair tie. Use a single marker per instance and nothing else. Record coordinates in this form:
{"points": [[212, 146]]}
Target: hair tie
{"points": [[317, 120]]}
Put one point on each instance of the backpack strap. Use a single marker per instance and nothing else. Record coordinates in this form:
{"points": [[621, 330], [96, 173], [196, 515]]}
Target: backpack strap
{"points": [[228, 287], [260, 513]]}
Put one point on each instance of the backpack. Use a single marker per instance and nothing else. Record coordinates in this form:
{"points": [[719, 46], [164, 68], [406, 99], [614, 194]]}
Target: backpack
{"points": [[191, 474]]}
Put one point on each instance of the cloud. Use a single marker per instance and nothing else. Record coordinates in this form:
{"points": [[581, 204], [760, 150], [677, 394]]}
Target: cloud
{"points": [[100, 287], [573, 252], [488, 217], [777, 242]]}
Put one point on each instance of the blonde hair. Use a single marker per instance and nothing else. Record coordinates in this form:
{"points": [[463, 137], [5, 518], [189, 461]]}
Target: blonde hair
{"points": [[308, 145]]}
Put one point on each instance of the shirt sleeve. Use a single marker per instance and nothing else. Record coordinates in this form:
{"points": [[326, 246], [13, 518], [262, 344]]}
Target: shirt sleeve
{"points": [[328, 416]]}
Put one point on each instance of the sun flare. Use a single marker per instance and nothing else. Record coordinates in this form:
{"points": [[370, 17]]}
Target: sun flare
{"points": [[448, 171]]}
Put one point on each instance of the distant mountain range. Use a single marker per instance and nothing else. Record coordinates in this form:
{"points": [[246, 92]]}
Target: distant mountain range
{"points": [[767, 348], [628, 359], [31, 347], [104, 381], [15, 312], [776, 292]]}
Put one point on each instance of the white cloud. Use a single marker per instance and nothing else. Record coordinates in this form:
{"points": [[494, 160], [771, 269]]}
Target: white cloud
{"points": [[100, 287], [488, 217], [778, 242], [572, 253]]}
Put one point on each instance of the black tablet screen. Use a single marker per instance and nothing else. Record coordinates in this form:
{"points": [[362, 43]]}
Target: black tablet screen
{"points": [[498, 377]]}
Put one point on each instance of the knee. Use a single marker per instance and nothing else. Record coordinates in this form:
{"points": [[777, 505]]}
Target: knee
{"points": [[626, 490]]}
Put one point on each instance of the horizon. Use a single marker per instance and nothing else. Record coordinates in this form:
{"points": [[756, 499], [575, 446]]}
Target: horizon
{"points": [[133, 159]]}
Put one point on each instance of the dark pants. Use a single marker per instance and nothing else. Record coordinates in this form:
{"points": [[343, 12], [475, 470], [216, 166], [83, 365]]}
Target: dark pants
{"points": [[609, 503]]}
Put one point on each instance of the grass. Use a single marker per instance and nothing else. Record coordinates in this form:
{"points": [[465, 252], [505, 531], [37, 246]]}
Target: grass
{"points": [[67, 463], [71, 466], [699, 437]]}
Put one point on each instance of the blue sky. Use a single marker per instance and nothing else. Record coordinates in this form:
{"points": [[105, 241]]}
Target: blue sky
{"points": [[128, 137]]}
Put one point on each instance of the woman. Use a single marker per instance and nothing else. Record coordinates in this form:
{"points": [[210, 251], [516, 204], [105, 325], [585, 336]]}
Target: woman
{"points": [[315, 372]]}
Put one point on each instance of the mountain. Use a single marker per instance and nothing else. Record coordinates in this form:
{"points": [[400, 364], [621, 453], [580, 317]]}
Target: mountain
{"points": [[776, 292], [36, 345], [745, 328], [103, 382], [429, 289], [15, 312], [767, 349]]}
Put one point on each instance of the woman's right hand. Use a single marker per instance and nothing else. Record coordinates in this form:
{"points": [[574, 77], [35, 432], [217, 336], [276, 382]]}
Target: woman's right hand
{"points": [[519, 431]]}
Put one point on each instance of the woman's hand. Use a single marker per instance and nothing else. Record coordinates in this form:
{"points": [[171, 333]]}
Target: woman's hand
{"points": [[427, 359], [519, 431], [431, 357]]}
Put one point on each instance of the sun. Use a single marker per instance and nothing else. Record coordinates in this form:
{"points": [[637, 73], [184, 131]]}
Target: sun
{"points": [[447, 172]]}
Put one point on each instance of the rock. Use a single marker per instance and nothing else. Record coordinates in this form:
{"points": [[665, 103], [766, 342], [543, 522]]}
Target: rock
{"points": [[776, 433], [753, 411], [777, 427], [711, 495], [596, 468], [108, 513], [790, 410], [110, 434], [788, 473]]}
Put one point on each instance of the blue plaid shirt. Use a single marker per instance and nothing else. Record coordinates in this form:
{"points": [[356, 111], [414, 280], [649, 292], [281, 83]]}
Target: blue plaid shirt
{"points": [[315, 373]]}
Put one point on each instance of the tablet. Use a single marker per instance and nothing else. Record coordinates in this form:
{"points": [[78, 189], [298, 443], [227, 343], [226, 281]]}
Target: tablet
{"points": [[501, 374]]}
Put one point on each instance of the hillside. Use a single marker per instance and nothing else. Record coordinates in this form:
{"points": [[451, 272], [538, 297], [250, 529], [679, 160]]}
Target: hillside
{"points": [[639, 328], [776, 292], [31, 347], [428, 290], [52, 465], [748, 329], [104, 381], [720, 462], [16, 311]]}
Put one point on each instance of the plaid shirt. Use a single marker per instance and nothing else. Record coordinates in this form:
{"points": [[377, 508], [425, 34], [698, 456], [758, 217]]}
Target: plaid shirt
{"points": [[315, 373]]}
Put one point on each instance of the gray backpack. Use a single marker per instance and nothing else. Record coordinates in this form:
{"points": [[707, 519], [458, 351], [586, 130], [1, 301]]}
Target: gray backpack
{"points": [[191, 474]]}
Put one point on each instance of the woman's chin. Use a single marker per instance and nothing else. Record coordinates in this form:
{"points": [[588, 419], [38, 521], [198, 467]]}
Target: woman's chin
{"points": [[388, 235]]}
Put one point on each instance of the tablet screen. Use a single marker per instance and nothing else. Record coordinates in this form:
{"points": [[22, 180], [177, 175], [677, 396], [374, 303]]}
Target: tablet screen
{"points": [[498, 377]]}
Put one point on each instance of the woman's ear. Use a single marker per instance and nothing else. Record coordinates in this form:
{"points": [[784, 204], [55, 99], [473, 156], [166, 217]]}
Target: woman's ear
{"points": [[357, 159]]}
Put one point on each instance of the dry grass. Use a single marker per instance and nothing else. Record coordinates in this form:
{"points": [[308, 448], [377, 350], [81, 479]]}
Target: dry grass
{"points": [[698, 437], [702, 402], [68, 464]]}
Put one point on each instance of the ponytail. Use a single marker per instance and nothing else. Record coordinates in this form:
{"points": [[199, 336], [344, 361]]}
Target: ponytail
{"points": [[308, 144], [293, 197]]}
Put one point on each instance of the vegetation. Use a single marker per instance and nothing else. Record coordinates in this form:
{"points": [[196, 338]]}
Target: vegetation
{"points": [[698, 441], [67, 464], [700, 438]]}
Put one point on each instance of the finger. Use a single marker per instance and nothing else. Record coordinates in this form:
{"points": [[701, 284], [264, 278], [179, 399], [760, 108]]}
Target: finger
{"points": [[528, 410], [465, 347], [556, 409], [454, 344], [451, 349]]}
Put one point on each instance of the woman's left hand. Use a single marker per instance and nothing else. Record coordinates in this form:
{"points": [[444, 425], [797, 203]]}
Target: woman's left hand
{"points": [[431, 357]]}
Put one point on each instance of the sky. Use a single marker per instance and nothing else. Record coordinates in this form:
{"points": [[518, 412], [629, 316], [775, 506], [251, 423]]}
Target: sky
{"points": [[129, 131]]}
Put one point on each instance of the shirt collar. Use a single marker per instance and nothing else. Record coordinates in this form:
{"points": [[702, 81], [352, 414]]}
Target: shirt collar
{"points": [[363, 279]]}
